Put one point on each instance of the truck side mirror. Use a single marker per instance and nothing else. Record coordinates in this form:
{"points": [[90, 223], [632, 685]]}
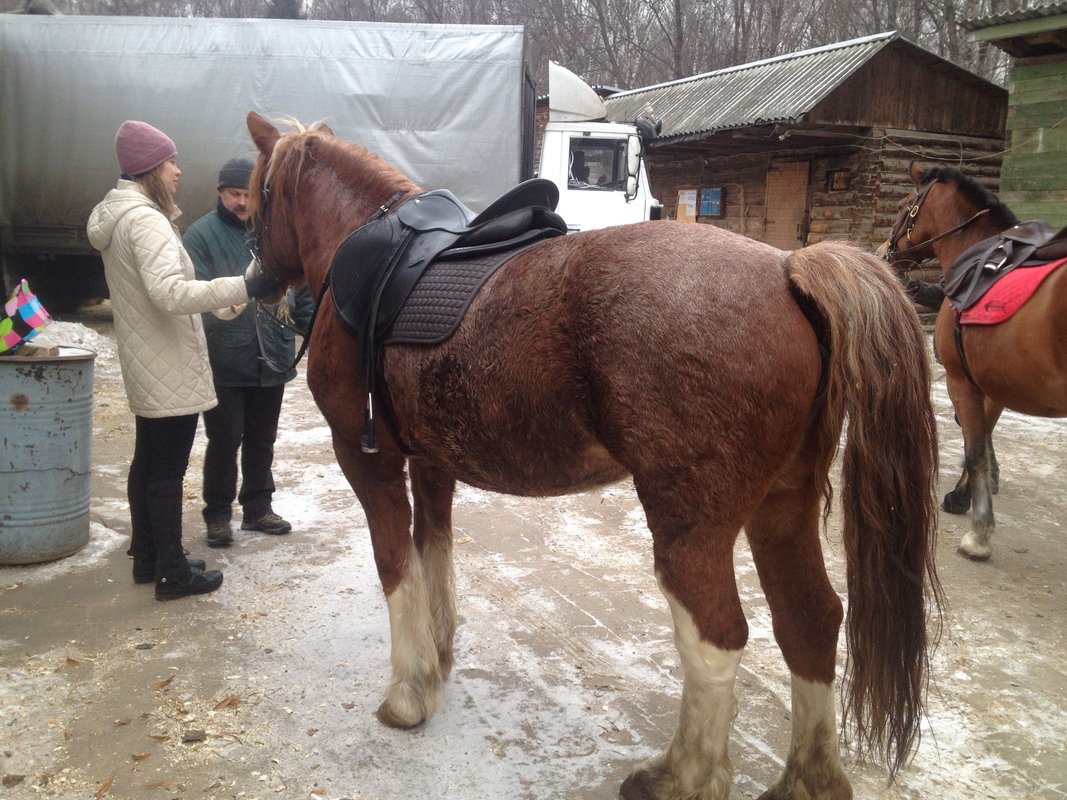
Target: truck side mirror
{"points": [[633, 165], [633, 155]]}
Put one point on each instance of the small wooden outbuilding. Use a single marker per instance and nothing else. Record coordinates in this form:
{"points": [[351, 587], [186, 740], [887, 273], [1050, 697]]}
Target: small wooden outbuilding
{"points": [[815, 145], [1033, 180]]}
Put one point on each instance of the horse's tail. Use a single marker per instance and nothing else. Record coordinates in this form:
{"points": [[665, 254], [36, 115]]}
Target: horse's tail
{"points": [[878, 376]]}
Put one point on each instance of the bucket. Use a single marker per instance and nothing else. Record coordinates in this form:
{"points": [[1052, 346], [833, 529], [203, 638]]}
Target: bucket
{"points": [[46, 412]]}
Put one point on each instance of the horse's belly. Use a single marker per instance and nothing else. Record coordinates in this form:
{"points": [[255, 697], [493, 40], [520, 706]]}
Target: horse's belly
{"points": [[536, 477], [535, 461]]}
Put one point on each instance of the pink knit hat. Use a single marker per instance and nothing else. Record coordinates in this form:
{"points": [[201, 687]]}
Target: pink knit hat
{"points": [[141, 148]]}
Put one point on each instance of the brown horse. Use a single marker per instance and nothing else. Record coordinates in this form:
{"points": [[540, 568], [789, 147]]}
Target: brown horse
{"points": [[1020, 364], [715, 370]]}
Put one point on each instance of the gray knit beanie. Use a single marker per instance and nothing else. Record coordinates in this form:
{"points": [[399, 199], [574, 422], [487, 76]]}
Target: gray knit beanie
{"points": [[235, 173]]}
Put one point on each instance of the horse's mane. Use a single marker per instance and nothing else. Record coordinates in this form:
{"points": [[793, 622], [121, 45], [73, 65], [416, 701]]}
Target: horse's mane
{"points": [[354, 164], [974, 193]]}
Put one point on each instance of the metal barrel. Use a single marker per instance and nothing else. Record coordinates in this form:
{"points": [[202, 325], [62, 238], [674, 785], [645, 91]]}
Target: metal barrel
{"points": [[46, 411]]}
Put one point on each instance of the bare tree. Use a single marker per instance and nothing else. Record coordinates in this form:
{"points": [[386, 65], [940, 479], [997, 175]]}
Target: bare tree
{"points": [[629, 43]]}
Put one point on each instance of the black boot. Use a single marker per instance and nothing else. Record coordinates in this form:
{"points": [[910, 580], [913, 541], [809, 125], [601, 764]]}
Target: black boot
{"points": [[175, 576], [144, 569], [172, 586]]}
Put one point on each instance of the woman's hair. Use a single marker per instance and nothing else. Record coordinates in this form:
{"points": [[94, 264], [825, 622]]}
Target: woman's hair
{"points": [[152, 183]]}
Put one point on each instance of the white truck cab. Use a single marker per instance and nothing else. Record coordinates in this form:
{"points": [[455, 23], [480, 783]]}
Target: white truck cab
{"points": [[598, 166]]}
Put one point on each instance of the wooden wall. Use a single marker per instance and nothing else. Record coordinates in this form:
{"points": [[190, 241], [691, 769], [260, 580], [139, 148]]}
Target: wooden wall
{"points": [[1034, 183], [863, 211]]}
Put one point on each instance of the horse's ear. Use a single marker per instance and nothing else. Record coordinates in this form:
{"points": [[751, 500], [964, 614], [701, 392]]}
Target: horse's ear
{"points": [[916, 170], [264, 135], [322, 127]]}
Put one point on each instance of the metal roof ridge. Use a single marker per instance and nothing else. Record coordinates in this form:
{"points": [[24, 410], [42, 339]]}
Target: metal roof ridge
{"points": [[887, 36]]}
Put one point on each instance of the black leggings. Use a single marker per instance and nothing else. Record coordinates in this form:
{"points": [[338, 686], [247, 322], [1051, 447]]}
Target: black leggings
{"points": [[160, 457], [161, 448]]}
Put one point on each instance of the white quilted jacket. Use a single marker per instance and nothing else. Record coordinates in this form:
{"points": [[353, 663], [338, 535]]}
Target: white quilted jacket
{"points": [[156, 303]]}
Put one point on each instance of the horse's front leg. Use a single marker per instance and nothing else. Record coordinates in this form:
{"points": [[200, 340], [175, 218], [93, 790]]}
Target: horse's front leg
{"points": [[432, 490], [971, 411], [378, 480]]}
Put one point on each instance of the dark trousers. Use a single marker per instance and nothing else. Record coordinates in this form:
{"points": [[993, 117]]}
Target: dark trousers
{"points": [[154, 485], [245, 419]]}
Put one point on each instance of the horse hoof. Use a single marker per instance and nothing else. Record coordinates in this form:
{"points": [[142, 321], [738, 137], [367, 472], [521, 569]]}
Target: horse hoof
{"points": [[971, 548], [638, 786], [956, 502], [387, 716]]}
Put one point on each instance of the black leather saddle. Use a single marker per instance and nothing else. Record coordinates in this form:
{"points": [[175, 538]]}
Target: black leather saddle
{"points": [[376, 268], [1028, 244]]}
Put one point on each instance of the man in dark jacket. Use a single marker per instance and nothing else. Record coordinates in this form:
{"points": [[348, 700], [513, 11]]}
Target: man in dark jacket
{"points": [[249, 390]]}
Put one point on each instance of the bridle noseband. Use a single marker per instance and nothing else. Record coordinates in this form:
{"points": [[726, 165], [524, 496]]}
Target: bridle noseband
{"points": [[905, 224]]}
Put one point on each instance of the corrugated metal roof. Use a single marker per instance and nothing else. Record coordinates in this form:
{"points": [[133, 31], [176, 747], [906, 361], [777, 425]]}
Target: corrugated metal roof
{"points": [[1022, 14], [776, 90]]}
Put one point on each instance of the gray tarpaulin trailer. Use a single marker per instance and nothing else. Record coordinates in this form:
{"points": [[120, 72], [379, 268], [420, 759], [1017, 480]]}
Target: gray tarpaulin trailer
{"points": [[451, 105]]}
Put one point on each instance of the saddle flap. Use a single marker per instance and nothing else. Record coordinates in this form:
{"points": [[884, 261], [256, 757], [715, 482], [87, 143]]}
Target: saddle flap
{"points": [[358, 266]]}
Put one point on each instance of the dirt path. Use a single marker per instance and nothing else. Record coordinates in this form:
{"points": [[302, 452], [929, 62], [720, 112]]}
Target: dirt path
{"points": [[566, 672]]}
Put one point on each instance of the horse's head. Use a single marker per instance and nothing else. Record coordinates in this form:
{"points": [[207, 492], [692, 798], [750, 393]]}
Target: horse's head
{"points": [[270, 193], [909, 239], [944, 203]]}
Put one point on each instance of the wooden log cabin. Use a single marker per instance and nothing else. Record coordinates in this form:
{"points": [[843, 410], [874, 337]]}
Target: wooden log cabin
{"points": [[816, 145]]}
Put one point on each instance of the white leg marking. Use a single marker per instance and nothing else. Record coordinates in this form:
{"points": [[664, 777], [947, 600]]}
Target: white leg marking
{"points": [[441, 590], [697, 758], [415, 688], [814, 721]]}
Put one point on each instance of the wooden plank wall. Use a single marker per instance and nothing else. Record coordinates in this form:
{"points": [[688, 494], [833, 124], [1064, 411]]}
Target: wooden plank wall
{"points": [[1034, 181], [864, 211]]}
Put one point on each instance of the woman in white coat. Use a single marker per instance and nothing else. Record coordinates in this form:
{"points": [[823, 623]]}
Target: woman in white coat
{"points": [[156, 303]]}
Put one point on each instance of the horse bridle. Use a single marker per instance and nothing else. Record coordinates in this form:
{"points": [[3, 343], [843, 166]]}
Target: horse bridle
{"points": [[908, 217], [260, 227]]}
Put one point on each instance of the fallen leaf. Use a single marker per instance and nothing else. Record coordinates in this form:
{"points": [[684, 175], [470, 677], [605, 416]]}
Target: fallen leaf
{"points": [[140, 756], [160, 784], [13, 780], [123, 721], [103, 788], [163, 684], [318, 790], [159, 737], [193, 735], [229, 701], [73, 662], [312, 731]]}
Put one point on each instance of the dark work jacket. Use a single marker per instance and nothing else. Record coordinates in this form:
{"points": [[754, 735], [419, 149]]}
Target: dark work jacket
{"points": [[218, 246]]}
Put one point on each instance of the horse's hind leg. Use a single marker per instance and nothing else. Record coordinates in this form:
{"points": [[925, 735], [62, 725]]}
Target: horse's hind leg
{"points": [[432, 491], [694, 565], [415, 688], [958, 501], [806, 614]]}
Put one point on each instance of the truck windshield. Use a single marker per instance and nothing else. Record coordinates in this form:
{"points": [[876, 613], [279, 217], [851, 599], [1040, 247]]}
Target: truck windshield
{"points": [[597, 164]]}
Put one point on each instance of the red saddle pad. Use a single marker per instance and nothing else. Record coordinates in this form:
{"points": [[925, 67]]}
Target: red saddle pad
{"points": [[1008, 295]]}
